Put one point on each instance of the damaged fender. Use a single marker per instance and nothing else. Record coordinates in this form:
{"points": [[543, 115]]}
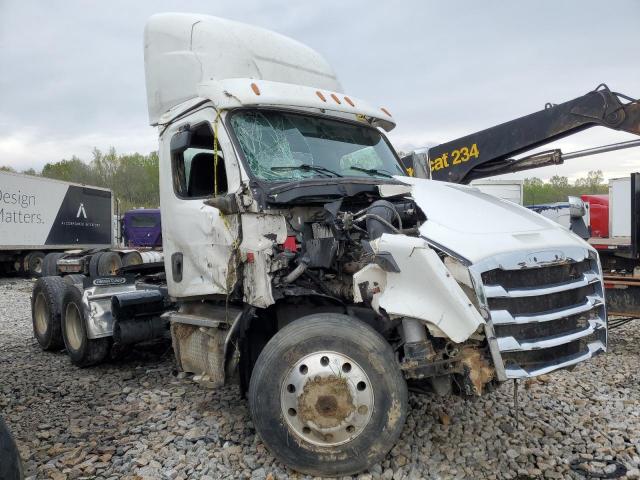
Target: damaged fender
{"points": [[423, 288], [259, 233]]}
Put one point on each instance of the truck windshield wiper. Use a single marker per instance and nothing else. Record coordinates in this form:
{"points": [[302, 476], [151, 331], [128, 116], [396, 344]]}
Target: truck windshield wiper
{"points": [[373, 171], [307, 168]]}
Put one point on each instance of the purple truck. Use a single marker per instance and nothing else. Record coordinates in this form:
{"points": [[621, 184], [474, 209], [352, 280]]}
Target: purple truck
{"points": [[142, 228]]}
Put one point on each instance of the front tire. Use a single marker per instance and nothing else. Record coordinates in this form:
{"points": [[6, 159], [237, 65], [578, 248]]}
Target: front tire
{"points": [[10, 463], [327, 396], [82, 350]]}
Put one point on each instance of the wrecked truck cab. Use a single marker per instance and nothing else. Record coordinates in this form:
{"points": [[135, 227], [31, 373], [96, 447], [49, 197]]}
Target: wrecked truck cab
{"points": [[303, 263]]}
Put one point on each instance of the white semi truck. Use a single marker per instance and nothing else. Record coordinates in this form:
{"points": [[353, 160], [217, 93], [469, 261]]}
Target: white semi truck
{"points": [[303, 263]]}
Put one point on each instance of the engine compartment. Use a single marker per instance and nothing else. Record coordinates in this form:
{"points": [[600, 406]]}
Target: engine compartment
{"points": [[327, 244]]}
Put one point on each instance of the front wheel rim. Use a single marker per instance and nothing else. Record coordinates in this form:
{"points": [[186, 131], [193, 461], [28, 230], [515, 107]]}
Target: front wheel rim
{"points": [[73, 326], [327, 399]]}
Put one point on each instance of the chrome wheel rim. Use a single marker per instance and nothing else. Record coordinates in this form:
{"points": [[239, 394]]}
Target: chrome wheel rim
{"points": [[73, 326], [40, 314], [327, 399]]}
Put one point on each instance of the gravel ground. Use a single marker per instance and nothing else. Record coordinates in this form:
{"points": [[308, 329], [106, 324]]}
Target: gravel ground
{"points": [[135, 418]]}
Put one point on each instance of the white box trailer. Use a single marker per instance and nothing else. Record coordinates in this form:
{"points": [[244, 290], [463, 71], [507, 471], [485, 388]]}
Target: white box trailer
{"points": [[505, 189], [41, 215]]}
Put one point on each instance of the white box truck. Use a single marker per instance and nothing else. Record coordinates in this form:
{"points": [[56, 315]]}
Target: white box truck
{"points": [[40, 216]]}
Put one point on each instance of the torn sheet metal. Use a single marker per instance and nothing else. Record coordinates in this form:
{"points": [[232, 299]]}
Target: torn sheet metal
{"points": [[259, 233], [97, 303], [423, 288]]}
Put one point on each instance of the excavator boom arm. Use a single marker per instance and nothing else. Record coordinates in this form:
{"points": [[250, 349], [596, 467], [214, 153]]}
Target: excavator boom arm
{"points": [[489, 152]]}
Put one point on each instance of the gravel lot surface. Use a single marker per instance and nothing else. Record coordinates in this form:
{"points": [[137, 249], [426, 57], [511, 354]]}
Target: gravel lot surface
{"points": [[135, 418]]}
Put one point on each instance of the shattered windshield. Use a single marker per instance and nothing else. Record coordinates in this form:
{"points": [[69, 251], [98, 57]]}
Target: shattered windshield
{"points": [[282, 146]]}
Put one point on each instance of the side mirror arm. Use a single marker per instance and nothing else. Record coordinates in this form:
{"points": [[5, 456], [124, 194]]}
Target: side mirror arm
{"points": [[227, 204]]}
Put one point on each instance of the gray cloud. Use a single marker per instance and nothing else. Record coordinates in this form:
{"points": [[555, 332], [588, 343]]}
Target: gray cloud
{"points": [[73, 70]]}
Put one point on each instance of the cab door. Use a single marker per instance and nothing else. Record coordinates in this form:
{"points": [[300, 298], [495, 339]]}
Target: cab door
{"points": [[199, 242]]}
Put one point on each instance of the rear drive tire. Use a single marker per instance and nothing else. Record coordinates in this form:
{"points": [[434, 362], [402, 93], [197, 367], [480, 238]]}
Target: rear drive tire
{"points": [[132, 258], [74, 279], [93, 264], [49, 264], [109, 263], [35, 264], [46, 308], [327, 396], [82, 350], [19, 263]]}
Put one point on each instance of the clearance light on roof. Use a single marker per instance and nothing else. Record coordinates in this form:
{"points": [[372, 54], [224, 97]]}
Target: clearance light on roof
{"points": [[335, 98], [349, 101], [255, 89], [320, 95], [385, 111]]}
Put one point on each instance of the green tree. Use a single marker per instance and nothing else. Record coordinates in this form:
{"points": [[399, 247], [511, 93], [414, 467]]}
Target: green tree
{"points": [[533, 182], [592, 182], [73, 170], [133, 178], [559, 182], [558, 188]]}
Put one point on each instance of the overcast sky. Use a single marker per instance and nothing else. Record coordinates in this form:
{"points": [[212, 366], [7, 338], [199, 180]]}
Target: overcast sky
{"points": [[72, 73]]}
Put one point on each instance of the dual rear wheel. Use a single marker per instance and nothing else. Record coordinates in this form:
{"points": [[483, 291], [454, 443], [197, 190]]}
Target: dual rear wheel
{"points": [[60, 319]]}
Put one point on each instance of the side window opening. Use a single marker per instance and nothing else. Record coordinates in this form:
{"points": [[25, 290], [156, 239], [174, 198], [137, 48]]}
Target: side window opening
{"points": [[195, 174]]}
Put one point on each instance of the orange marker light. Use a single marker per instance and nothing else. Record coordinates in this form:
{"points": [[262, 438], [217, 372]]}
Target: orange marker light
{"points": [[337, 100], [349, 101], [320, 95], [255, 89], [385, 111]]}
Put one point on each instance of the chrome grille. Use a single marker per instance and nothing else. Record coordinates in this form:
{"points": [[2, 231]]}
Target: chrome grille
{"points": [[544, 310]]}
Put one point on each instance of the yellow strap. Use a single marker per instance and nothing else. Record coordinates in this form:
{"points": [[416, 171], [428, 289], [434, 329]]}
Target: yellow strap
{"points": [[215, 154]]}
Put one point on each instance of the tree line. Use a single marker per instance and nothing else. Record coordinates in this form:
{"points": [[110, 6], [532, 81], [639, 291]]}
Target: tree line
{"points": [[558, 188], [133, 178]]}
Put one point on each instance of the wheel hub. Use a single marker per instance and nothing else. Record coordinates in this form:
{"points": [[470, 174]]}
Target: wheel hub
{"points": [[327, 399]]}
